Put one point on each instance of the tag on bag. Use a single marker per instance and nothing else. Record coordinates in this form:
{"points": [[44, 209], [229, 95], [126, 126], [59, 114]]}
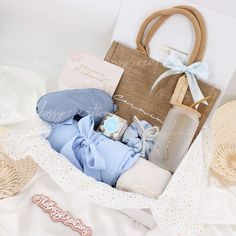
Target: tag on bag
{"points": [[83, 70], [180, 91]]}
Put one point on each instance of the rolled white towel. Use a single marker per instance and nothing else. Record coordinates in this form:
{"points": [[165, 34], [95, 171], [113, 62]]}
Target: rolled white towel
{"points": [[144, 178]]}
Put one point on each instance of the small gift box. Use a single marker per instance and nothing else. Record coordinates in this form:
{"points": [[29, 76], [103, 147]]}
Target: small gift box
{"points": [[113, 126]]}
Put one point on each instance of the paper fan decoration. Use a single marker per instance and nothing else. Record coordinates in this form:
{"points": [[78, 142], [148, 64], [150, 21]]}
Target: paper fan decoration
{"points": [[14, 174], [224, 134]]}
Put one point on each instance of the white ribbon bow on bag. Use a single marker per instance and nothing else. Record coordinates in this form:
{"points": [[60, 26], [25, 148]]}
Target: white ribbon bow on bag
{"points": [[197, 69]]}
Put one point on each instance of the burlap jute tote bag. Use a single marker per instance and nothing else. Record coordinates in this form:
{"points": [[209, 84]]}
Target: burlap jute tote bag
{"points": [[133, 95]]}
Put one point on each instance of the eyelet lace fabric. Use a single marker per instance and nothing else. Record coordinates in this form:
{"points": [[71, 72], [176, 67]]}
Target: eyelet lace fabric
{"points": [[178, 209]]}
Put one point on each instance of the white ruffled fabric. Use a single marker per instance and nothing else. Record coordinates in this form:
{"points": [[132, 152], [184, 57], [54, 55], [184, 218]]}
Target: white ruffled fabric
{"points": [[20, 89], [178, 209]]}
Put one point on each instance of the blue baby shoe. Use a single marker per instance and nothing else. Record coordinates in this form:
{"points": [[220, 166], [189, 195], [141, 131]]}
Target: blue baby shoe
{"points": [[60, 106]]}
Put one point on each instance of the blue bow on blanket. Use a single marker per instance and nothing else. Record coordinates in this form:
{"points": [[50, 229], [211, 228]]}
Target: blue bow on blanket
{"points": [[92, 152], [197, 69], [85, 145]]}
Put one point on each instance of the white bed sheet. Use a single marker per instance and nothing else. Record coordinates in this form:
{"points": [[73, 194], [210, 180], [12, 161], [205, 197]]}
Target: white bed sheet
{"points": [[20, 217]]}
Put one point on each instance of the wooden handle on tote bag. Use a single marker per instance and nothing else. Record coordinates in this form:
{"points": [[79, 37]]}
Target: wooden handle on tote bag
{"points": [[145, 40], [162, 15]]}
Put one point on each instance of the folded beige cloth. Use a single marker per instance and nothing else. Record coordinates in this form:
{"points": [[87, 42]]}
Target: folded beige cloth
{"points": [[144, 178]]}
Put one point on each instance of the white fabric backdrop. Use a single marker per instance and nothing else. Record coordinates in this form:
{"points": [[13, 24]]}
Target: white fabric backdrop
{"points": [[20, 217], [40, 34]]}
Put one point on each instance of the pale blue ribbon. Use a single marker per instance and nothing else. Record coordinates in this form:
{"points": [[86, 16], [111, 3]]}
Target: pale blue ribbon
{"points": [[197, 69], [86, 142]]}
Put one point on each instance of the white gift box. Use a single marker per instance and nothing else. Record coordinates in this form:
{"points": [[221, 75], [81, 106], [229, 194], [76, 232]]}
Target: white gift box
{"points": [[178, 209], [177, 33]]}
